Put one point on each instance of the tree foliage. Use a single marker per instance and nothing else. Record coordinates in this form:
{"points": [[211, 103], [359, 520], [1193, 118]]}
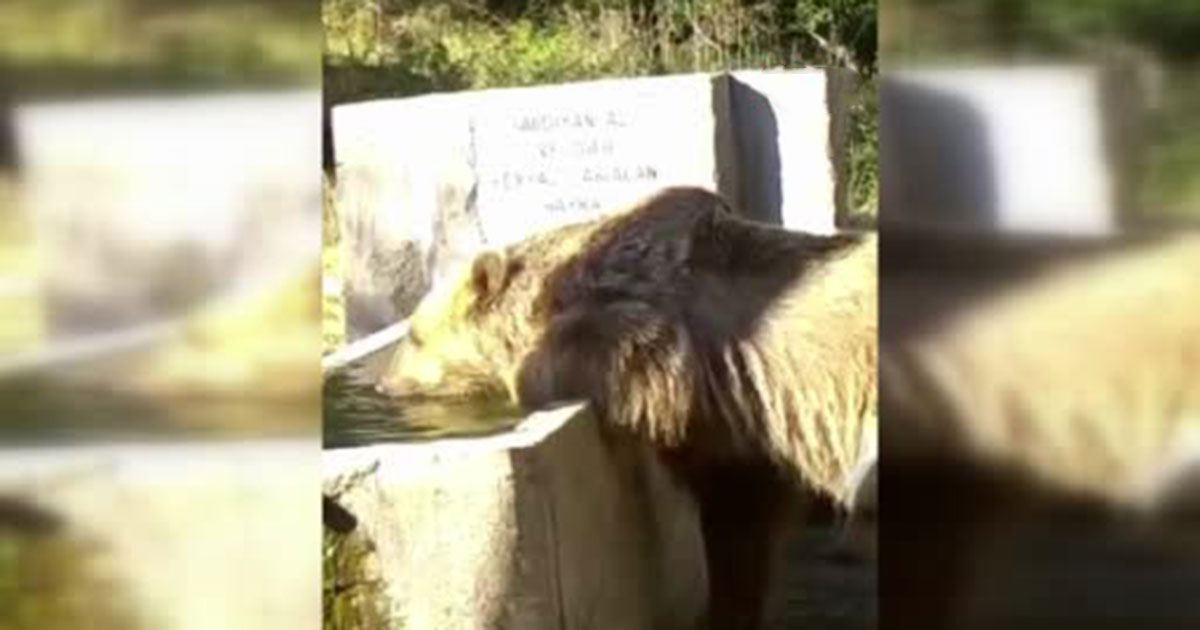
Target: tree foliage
{"points": [[1169, 27]]}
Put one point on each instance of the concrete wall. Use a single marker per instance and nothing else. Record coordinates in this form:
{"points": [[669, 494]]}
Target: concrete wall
{"points": [[424, 183], [1009, 149], [550, 526]]}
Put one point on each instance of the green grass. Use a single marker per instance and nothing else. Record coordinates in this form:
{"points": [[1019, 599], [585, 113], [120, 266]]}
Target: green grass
{"points": [[351, 594]]}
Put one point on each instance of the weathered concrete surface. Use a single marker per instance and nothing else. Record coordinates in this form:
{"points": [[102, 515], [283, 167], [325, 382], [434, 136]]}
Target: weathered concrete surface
{"points": [[424, 183], [550, 526], [791, 129], [552, 156], [1012, 149], [200, 536], [144, 207], [398, 161]]}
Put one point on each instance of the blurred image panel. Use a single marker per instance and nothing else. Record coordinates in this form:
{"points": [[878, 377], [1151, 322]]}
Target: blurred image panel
{"points": [[159, 313], [1040, 366]]}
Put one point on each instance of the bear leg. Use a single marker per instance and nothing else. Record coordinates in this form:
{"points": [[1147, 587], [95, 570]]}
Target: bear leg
{"points": [[741, 512]]}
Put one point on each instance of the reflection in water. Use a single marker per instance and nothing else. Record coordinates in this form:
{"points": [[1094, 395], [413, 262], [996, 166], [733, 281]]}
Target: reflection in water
{"points": [[355, 414]]}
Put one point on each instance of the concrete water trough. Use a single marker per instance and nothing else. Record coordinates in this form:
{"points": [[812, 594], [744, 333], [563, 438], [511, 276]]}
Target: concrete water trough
{"points": [[549, 524]]}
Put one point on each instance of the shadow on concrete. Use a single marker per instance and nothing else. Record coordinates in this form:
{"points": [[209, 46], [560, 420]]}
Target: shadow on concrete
{"points": [[755, 163], [934, 165]]}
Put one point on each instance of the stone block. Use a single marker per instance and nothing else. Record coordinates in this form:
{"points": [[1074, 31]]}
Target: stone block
{"points": [[791, 131], [1007, 149], [425, 182], [552, 525]]}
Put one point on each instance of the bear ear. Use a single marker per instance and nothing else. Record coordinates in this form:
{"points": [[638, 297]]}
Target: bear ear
{"points": [[487, 274]]}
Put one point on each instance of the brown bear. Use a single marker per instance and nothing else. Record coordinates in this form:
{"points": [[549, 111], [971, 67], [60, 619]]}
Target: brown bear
{"points": [[1065, 390], [744, 352]]}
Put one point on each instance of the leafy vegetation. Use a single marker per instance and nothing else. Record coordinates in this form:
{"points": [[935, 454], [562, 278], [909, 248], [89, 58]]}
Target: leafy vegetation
{"points": [[333, 309], [351, 596], [54, 580], [72, 46], [459, 44]]}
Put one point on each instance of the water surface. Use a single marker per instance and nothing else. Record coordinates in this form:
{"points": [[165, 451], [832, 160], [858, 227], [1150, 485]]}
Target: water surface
{"points": [[355, 414]]}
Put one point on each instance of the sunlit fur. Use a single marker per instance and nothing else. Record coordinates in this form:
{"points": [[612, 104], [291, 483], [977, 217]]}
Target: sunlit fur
{"points": [[693, 328], [463, 343], [1086, 379], [764, 343]]}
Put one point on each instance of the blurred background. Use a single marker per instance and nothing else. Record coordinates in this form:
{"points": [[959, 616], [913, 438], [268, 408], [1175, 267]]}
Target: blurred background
{"points": [[159, 318], [1040, 189], [1148, 51]]}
